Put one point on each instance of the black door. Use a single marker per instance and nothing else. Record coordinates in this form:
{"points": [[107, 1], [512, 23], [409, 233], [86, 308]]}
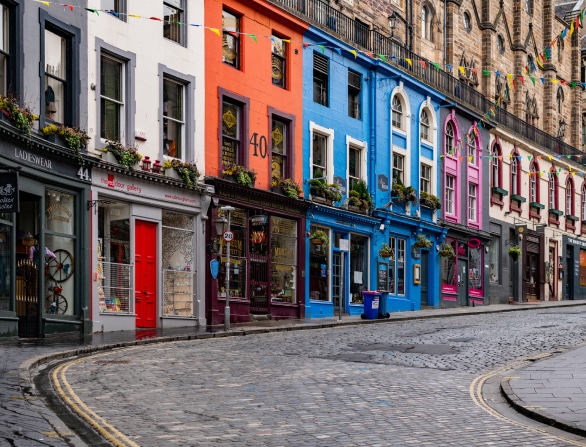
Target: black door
{"points": [[424, 277]]}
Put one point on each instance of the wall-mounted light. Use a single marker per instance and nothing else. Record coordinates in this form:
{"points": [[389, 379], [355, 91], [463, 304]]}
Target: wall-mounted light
{"points": [[381, 227], [392, 22]]}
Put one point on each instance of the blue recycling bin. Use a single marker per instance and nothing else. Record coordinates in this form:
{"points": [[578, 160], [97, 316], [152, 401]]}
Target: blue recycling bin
{"points": [[371, 304]]}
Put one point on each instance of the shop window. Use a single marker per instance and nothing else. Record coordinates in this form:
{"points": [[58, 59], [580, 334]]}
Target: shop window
{"points": [[173, 118], [358, 267], [179, 273], [173, 18], [448, 273], [397, 266], [494, 260], [279, 61], [284, 260], [115, 271], [6, 268], [319, 269], [232, 115], [475, 271], [231, 39], [320, 79], [280, 142], [238, 257]]}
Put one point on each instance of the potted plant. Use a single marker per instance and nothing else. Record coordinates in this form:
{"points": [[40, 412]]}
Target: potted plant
{"points": [[514, 252], [447, 251], [385, 251], [125, 156], [22, 117], [429, 200], [241, 175], [403, 193], [359, 196], [422, 242], [290, 188], [319, 237], [73, 137], [332, 192], [186, 170]]}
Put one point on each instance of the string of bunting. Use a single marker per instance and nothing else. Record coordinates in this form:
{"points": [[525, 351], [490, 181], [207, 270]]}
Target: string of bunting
{"points": [[544, 56]]}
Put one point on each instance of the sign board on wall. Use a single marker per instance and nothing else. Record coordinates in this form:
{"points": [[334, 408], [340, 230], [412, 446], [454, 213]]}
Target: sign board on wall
{"points": [[9, 197]]}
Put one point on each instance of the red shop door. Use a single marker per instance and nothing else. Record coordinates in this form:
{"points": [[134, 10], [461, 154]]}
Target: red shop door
{"points": [[145, 262]]}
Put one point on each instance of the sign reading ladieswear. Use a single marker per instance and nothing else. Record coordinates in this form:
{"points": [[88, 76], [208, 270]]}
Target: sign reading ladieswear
{"points": [[144, 189]]}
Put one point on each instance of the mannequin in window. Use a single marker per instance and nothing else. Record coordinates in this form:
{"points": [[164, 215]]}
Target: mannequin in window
{"points": [[50, 108], [33, 251]]}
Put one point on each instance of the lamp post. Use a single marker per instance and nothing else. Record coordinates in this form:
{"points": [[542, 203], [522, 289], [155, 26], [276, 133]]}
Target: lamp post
{"points": [[228, 236], [392, 23]]}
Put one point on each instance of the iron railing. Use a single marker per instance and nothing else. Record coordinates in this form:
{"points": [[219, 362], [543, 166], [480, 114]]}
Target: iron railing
{"points": [[356, 33]]}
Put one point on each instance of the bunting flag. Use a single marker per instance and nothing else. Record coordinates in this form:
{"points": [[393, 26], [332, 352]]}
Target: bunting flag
{"points": [[436, 65], [337, 50], [215, 31], [461, 69], [409, 61], [382, 57], [354, 53], [486, 72], [423, 64], [449, 67]]}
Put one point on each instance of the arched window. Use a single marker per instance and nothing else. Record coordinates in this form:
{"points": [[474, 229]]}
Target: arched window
{"points": [[560, 99], [450, 148], [514, 175], [533, 184], [397, 112], [424, 19], [424, 129], [569, 197], [471, 144]]}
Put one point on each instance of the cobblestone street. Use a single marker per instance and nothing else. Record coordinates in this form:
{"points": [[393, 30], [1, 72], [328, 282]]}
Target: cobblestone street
{"points": [[404, 383]]}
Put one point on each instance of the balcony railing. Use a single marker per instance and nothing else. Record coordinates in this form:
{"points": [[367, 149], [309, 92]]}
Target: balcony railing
{"points": [[332, 20]]}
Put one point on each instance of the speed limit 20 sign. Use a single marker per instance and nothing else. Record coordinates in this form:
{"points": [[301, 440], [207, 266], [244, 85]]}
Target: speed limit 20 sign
{"points": [[228, 236]]}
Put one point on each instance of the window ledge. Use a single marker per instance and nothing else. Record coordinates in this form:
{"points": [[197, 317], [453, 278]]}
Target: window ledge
{"points": [[553, 221], [537, 205], [502, 192], [556, 212], [498, 202], [518, 198]]}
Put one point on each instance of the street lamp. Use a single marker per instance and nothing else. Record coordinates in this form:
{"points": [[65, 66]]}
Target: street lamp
{"points": [[392, 22], [228, 238]]}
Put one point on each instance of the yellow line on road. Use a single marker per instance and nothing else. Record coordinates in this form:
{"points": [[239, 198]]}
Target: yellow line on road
{"points": [[66, 393], [476, 395]]}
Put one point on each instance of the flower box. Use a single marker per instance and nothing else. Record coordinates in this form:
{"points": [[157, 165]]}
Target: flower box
{"points": [[56, 139], [108, 157], [518, 198], [172, 173], [501, 191], [536, 205]]}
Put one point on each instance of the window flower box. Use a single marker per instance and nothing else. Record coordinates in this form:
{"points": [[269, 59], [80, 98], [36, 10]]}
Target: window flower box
{"points": [[572, 218], [429, 201], [502, 192], [537, 205], [556, 212], [518, 198]]}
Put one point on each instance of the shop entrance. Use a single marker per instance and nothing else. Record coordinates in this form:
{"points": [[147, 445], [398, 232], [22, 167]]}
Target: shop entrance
{"points": [[531, 278], [424, 276], [338, 286], [146, 274], [462, 282], [27, 270]]}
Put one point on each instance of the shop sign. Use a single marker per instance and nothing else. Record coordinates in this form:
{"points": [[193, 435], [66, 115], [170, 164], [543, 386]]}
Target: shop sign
{"points": [[39, 160], [382, 183], [576, 242], [9, 197]]}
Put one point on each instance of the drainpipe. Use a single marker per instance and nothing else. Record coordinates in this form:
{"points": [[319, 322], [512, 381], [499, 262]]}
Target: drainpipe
{"points": [[372, 145], [445, 30]]}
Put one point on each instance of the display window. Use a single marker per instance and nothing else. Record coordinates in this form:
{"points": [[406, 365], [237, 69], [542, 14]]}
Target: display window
{"points": [[5, 263], [448, 273], [319, 268], [475, 271], [358, 267], [238, 256], [115, 272], [284, 260], [178, 265], [397, 265]]}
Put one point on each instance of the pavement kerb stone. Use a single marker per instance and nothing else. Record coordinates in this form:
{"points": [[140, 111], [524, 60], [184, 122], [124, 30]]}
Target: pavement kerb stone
{"points": [[540, 416]]}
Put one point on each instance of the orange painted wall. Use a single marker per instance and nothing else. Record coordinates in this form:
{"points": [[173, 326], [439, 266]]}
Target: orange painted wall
{"points": [[253, 81]]}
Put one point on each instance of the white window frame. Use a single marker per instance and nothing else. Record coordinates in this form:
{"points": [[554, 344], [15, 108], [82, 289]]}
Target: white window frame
{"points": [[569, 194], [450, 200], [397, 113], [329, 134], [121, 102], [179, 121], [514, 175], [472, 202]]}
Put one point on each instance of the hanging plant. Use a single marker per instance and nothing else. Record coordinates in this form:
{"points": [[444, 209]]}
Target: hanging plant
{"points": [[422, 242], [385, 251], [319, 237], [514, 252], [447, 251]]}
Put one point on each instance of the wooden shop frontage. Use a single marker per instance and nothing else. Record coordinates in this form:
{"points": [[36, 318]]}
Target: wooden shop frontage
{"points": [[267, 252]]}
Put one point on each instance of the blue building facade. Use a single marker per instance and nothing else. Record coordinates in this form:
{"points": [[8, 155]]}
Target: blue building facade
{"points": [[368, 126]]}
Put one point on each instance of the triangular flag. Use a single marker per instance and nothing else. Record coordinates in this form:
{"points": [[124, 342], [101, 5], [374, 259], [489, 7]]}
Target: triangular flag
{"points": [[96, 11], [462, 70], [337, 50], [156, 19], [436, 65], [542, 80], [423, 64], [409, 61], [353, 52], [555, 81], [532, 80], [306, 44], [571, 28], [322, 48], [449, 67], [529, 157], [486, 72], [253, 37], [215, 31], [382, 57], [519, 76]]}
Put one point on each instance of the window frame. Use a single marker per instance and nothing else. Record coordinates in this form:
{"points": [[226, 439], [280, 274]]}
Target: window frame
{"points": [[354, 96], [321, 80], [167, 25], [395, 168], [570, 201], [229, 34], [473, 202], [289, 121], [72, 36], [129, 61], [424, 123], [397, 112], [244, 106], [425, 182], [13, 50], [282, 58], [515, 177], [361, 152], [119, 12], [326, 167], [450, 195], [187, 82], [553, 195], [450, 140]]}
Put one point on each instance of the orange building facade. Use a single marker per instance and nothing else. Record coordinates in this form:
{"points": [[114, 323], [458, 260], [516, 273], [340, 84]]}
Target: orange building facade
{"points": [[253, 159]]}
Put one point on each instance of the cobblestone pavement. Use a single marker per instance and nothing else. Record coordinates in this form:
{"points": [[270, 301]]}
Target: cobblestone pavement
{"points": [[403, 383]]}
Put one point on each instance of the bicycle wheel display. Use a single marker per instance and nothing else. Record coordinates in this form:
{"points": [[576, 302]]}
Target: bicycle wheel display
{"points": [[61, 266], [55, 304]]}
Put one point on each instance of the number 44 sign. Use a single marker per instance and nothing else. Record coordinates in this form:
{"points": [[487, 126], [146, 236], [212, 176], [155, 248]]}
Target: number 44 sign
{"points": [[84, 174]]}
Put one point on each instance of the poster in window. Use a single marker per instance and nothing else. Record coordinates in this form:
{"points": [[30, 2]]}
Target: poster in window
{"points": [[582, 267]]}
